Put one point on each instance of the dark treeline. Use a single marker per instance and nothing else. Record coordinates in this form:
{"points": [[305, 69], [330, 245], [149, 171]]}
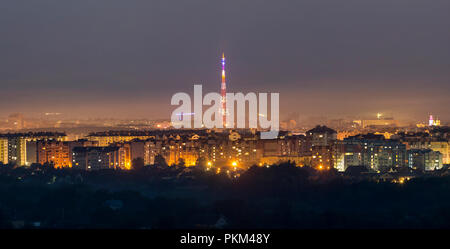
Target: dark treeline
{"points": [[281, 196]]}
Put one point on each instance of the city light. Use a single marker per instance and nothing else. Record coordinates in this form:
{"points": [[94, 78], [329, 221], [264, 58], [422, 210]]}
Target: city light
{"points": [[127, 115]]}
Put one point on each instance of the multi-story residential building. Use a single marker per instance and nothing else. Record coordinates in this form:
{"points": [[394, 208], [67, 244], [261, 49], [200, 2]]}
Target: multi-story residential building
{"points": [[217, 149], [80, 143], [442, 146], [95, 158], [4, 150], [347, 154], [56, 153], [373, 151], [17, 144], [151, 150], [424, 159], [380, 122], [124, 154], [16, 121], [112, 137], [221, 149], [322, 157], [32, 151], [175, 150], [293, 148], [321, 140]]}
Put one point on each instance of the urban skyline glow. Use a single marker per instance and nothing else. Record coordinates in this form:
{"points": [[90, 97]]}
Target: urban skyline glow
{"points": [[330, 115], [354, 66]]}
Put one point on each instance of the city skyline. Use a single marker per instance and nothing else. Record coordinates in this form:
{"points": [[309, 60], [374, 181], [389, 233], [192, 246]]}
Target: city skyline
{"points": [[125, 60], [225, 124]]}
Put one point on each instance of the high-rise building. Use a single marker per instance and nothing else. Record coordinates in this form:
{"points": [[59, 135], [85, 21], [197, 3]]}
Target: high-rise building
{"points": [[17, 149], [347, 154], [321, 139], [442, 146], [95, 158], [372, 151]]}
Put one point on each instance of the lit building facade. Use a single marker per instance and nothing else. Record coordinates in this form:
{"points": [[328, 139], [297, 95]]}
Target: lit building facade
{"points": [[96, 158], [4, 150], [372, 151], [321, 140], [112, 137], [17, 150], [56, 153], [425, 160], [17, 145], [441, 146]]}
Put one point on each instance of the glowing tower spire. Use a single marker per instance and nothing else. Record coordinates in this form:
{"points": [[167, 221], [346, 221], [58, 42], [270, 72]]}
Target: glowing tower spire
{"points": [[223, 92]]}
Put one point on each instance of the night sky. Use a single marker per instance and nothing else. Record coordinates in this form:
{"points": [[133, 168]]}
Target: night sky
{"points": [[126, 58]]}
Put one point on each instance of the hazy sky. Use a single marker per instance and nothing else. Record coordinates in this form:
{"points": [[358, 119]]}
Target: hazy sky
{"points": [[126, 58]]}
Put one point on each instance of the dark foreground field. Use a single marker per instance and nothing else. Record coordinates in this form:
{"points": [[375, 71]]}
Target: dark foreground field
{"points": [[277, 197]]}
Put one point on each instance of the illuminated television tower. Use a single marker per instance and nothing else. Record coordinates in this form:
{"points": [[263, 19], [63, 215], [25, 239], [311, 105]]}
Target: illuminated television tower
{"points": [[223, 92]]}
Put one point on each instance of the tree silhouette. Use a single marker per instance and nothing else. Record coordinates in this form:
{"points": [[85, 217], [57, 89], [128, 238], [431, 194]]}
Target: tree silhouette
{"points": [[138, 163], [201, 162], [181, 162], [160, 161]]}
